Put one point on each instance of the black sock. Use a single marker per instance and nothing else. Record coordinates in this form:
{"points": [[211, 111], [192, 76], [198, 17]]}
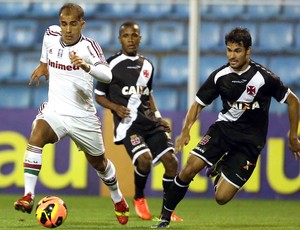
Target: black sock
{"points": [[175, 194], [166, 182], [140, 179]]}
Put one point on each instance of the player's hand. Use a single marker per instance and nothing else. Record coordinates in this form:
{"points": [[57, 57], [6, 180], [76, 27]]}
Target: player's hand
{"points": [[294, 146], [181, 141], [79, 62], [122, 111], [41, 70], [165, 124]]}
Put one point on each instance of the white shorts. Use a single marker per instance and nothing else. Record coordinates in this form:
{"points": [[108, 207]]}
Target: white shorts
{"points": [[84, 131]]}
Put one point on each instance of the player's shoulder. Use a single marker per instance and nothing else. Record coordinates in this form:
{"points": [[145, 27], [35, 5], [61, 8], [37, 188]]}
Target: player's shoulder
{"points": [[114, 56], [54, 30], [144, 58], [88, 40], [261, 68]]}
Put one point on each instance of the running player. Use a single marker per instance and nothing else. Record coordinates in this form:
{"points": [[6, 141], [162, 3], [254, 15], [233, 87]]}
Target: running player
{"points": [[71, 62], [233, 143], [138, 123]]}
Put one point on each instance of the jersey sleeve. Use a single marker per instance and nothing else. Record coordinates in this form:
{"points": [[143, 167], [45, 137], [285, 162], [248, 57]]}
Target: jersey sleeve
{"points": [[101, 88], [276, 88], [94, 53], [51, 31], [207, 92]]}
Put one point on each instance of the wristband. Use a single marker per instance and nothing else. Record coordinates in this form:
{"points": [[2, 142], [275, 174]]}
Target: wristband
{"points": [[157, 114]]}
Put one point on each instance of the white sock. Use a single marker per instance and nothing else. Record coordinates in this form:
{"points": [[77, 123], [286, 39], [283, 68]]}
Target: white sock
{"points": [[32, 167], [109, 178]]}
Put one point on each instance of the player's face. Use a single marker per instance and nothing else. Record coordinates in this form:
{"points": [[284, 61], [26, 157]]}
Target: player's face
{"points": [[71, 26], [238, 56], [130, 39]]}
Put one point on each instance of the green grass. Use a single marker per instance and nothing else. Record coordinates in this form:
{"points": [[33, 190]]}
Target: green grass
{"points": [[97, 213]]}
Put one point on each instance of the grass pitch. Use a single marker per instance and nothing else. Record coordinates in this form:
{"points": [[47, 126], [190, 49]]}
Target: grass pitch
{"points": [[90, 212]]}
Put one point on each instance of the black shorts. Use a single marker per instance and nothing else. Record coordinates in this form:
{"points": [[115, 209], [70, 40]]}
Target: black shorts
{"points": [[157, 143], [239, 160]]}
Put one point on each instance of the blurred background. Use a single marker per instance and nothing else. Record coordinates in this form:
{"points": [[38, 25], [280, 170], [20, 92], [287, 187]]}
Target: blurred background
{"points": [[274, 25], [185, 41]]}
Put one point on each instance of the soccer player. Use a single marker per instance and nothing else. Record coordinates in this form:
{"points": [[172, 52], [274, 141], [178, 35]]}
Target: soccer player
{"points": [[137, 122], [233, 143], [70, 61]]}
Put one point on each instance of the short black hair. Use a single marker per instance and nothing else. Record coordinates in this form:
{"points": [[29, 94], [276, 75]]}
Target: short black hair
{"points": [[239, 35], [73, 6], [128, 24]]}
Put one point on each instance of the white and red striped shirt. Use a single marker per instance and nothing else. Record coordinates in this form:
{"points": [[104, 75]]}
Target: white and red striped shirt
{"points": [[70, 87]]}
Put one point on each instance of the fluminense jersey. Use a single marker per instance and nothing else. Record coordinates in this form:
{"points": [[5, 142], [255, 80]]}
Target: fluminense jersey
{"points": [[70, 87], [130, 86], [246, 98]]}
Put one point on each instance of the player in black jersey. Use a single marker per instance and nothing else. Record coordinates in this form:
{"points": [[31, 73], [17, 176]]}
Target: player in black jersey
{"points": [[233, 143], [137, 122]]}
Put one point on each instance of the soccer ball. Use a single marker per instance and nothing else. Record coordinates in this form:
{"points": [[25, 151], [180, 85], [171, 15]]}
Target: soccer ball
{"points": [[51, 211]]}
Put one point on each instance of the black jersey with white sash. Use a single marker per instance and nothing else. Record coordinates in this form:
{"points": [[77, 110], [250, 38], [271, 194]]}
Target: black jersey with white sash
{"points": [[130, 86], [246, 98]]}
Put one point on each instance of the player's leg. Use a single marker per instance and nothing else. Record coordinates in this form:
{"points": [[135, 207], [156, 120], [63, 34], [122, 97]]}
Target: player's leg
{"points": [[164, 152], [237, 167], [179, 188], [141, 157], [86, 133], [107, 172], [142, 170], [41, 134], [207, 152], [170, 162], [224, 191]]}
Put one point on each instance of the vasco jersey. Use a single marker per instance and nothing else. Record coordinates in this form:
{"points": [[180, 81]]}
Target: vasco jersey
{"points": [[70, 87], [246, 98], [130, 86]]}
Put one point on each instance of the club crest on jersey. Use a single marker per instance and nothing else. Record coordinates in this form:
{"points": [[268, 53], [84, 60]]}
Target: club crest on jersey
{"points": [[146, 73], [135, 140], [60, 53], [204, 140], [251, 90]]}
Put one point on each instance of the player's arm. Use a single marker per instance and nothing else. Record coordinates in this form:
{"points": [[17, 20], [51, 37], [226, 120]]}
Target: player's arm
{"points": [[40, 70], [121, 110], [100, 72], [157, 113], [191, 116], [293, 110]]}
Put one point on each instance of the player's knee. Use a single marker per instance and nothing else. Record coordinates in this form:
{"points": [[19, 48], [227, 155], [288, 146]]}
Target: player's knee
{"points": [[222, 198], [99, 163], [144, 162], [170, 162]]}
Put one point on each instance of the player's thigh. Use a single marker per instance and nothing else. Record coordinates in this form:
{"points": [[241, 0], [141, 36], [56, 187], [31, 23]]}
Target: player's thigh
{"points": [[48, 127], [211, 147], [193, 166], [136, 147], [162, 149], [87, 135], [238, 167], [225, 191]]}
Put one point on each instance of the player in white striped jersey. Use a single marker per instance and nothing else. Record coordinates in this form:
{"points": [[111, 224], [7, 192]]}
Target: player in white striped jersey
{"points": [[70, 61], [234, 142]]}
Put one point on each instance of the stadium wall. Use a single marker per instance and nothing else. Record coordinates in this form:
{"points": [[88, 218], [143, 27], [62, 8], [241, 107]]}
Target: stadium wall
{"points": [[65, 170]]}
